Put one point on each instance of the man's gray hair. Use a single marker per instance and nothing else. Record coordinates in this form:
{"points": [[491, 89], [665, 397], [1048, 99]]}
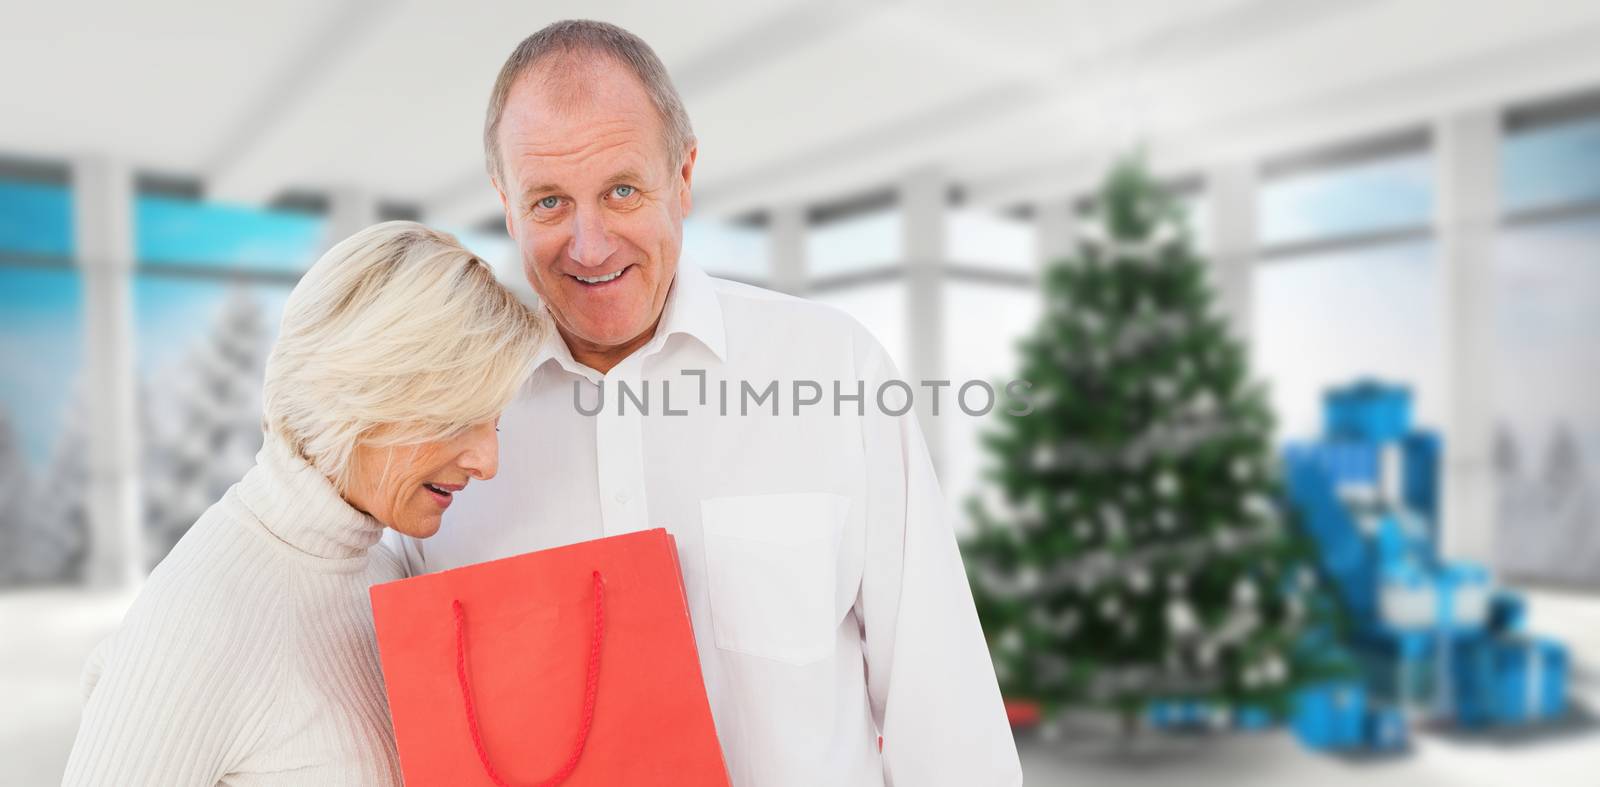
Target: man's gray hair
{"points": [[588, 37]]}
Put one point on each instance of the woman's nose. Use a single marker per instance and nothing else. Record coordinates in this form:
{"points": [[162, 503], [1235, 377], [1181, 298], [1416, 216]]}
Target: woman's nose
{"points": [[481, 459]]}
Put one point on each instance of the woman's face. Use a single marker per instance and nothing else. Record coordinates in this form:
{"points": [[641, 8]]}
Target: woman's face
{"points": [[408, 487]]}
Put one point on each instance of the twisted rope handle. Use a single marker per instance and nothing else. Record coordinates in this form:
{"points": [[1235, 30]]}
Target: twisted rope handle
{"points": [[590, 690]]}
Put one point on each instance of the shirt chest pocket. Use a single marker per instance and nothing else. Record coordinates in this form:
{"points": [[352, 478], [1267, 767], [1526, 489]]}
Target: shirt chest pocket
{"points": [[771, 569]]}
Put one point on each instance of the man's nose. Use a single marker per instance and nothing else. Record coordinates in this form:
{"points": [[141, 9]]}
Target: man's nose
{"points": [[591, 243]]}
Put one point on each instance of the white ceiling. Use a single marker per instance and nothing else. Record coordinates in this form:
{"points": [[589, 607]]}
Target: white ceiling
{"points": [[792, 101]]}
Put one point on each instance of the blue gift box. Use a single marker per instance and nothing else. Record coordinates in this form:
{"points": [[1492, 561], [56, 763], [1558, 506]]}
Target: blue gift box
{"points": [[1347, 462], [1507, 613], [1509, 681], [1530, 677], [1453, 599], [1368, 410], [1331, 716], [1251, 717], [1419, 475], [1179, 714], [1384, 730]]}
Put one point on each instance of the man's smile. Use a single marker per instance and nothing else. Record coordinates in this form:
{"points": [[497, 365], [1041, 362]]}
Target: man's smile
{"points": [[602, 279]]}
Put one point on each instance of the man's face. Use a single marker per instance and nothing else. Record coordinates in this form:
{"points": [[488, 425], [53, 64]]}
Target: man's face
{"points": [[595, 204]]}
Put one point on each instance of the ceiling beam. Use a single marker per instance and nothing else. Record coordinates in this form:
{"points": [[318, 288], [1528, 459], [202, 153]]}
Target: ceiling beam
{"points": [[233, 171], [1047, 89], [1549, 66]]}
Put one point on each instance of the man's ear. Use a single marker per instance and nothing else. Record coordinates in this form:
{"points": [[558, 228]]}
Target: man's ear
{"points": [[687, 173], [505, 204]]}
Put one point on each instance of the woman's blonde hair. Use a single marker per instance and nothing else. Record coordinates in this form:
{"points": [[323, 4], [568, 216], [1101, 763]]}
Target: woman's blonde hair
{"points": [[397, 335]]}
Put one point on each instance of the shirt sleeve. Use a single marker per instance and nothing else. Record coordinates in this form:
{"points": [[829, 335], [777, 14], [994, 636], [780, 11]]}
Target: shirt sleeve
{"points": [[174, 699], [930, 680]]}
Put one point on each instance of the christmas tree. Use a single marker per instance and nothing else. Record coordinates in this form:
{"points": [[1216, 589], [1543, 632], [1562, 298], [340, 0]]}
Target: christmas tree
{"points": [[213, 425], [53, 544], [1132, 546]]}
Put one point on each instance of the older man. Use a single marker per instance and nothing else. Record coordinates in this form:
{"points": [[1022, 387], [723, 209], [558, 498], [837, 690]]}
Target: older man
{"points": [[836, 631]]}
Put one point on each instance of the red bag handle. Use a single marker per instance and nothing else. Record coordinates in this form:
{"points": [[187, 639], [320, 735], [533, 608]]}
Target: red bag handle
{"points": [[590, 689]]}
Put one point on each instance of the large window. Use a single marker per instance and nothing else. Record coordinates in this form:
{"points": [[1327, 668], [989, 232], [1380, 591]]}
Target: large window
{"points": [[1346, 198], [1326, 319], [208, 294], [41, 388], [987, 239], [989, 300], [722, 248], [983, 325], [201, 348], [1547, 422], [854, 243], [174, 232], [41, 355], [1551, 165], [1347, 284], [35, 220], [1546, 367], [41, 299]]}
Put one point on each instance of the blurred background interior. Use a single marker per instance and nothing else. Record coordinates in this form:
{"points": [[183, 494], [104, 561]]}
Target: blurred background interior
{"points": [[1400, 189]]}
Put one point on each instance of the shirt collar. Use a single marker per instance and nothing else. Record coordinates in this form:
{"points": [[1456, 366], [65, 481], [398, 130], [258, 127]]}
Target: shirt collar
{"points": [[692, 309]]}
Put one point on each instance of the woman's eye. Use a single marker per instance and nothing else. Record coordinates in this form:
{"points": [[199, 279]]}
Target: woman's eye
{"points": [[623, 192], [550, 203]]}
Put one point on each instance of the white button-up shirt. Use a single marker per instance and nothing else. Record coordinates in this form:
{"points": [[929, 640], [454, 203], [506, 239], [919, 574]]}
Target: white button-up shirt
{"points": [[827, 594]]}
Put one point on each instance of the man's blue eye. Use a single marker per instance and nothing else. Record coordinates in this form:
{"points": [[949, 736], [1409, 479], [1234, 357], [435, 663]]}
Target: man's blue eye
{"points": [[623, 192], [549, 203]]}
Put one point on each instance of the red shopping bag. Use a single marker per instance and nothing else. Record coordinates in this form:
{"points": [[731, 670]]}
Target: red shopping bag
{"points": [[572, 666]]}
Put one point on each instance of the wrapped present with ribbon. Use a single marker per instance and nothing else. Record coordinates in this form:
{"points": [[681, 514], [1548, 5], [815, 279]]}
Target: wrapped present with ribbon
{"points": [[573, 666], [1252, 718], [1175, 714], [1464, 590], [1510, 681], [1331, 716], [1453, 599], [1367, 410], [1384, 730], [1507, 613]]}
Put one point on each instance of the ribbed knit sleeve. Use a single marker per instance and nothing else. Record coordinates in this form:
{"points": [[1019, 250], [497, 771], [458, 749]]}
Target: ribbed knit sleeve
{"points": [[249, 657], [184, 689]]}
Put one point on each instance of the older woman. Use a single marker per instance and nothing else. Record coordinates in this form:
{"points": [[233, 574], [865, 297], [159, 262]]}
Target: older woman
{"points": [[249, 657]]}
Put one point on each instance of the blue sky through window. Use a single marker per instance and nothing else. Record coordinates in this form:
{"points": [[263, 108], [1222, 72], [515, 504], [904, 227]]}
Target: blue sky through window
{"points": [[1551, 165], [186, 232], [41, 351], [35, 219]]}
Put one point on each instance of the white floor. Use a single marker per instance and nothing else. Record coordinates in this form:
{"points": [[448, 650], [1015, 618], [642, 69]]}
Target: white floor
{"points": [[45, 637]]}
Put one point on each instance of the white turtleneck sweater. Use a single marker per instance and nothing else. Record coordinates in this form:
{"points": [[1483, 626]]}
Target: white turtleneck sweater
{"points": [[249, 657]]}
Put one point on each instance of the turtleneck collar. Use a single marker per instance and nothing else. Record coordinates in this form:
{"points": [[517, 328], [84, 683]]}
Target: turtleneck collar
{"points": [[299, 505]]}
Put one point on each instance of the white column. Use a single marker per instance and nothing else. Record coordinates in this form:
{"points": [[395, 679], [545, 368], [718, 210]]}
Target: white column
{"points": [[786, 239], [349, 210], [1467, 161], [1055, 224], [922, 203], [103, 195], [1232, 190]]}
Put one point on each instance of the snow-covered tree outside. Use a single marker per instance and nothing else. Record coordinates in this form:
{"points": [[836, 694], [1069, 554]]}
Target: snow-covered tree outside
{"points": [[205, 422], [53, 539], [15, 489]]}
